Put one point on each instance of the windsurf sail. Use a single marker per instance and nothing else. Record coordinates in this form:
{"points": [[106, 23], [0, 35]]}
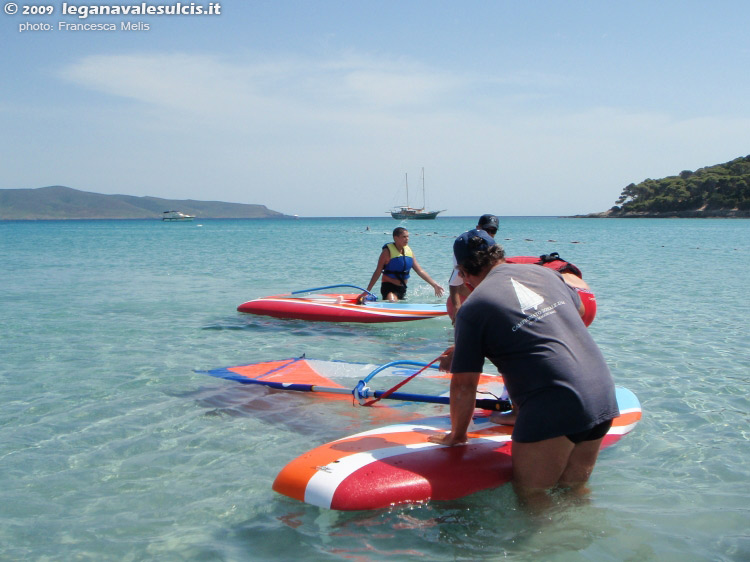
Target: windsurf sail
{"points": [[352, 380]]}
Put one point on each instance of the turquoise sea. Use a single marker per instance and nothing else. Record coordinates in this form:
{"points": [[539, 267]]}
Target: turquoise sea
{"points": [[112, 447]]}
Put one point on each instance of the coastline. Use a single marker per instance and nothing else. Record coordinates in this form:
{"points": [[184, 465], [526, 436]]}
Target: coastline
{"points": [[695, 214]]}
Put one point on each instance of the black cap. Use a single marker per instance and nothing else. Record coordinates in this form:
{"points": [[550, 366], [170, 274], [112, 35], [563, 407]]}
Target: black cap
{"points": [[470, 242], [488, 221]]}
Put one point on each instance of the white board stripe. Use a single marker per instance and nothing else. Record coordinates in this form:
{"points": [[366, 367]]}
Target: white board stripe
{"points": [[621, 429], [403, 428]]}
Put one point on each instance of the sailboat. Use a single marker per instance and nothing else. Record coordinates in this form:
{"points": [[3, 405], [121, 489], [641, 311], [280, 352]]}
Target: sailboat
{"points": [[407, 212]]}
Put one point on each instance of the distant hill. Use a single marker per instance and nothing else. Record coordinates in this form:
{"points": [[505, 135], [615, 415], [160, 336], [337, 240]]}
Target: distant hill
{"points": [[59, 202], [722, 190]]}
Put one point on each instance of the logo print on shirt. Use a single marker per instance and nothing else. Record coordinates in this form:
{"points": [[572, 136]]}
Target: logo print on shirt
{"points": [[526, 297]]}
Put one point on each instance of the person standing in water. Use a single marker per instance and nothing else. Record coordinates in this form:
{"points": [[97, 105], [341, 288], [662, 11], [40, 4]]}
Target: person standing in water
{"points": [[528, 322], [395, 264]]}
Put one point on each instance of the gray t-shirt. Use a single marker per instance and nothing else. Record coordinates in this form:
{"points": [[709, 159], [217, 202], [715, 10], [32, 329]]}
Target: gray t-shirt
{"points": [[525, 319]]}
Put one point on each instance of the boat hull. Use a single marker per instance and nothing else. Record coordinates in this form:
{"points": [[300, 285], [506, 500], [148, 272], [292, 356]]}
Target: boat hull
{"points": [[426, 215], [176, 216]]}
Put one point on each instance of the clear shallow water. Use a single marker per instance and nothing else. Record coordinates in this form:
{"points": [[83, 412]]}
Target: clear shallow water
{"points": [[112, 447]]}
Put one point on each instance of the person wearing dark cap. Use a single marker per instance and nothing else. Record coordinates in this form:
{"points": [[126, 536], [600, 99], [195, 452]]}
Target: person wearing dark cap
{"points": [[527, 322], [489, 224], [457, 291]]}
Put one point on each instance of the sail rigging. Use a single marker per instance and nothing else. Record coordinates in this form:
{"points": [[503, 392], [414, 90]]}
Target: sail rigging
{"points": [[408, 212]]}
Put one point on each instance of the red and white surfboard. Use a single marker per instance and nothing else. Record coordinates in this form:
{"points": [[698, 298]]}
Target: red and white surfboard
{"points": [[396, 464], [340, 308]]}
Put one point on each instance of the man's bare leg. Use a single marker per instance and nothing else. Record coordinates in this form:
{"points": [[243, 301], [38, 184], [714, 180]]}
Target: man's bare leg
{"points": [[537, 468]]}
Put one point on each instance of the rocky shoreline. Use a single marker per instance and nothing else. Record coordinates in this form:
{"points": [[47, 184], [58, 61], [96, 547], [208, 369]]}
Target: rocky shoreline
{"points": [[695, 214]]}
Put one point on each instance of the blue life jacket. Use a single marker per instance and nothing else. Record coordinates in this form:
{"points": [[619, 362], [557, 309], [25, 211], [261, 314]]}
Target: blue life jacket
{"points": [[399, 265]]}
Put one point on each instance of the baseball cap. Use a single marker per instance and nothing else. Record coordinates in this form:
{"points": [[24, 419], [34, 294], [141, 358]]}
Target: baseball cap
{"points": [[470, 242], [488, 221]]}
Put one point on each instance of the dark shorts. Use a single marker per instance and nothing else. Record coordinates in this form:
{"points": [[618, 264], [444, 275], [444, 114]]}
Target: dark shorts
{"points": [[398, 290], [592, 434], [557, 412]]}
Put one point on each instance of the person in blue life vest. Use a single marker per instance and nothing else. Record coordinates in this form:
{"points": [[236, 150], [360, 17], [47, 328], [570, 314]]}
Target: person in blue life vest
{"points": [[395, 264], [528, 322]]}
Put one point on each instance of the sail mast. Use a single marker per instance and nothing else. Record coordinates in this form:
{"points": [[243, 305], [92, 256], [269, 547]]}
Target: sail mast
{"points": [[424, 200]]}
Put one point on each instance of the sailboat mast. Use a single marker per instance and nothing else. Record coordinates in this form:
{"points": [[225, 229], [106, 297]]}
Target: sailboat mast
{"points": [[424, 200], [406, 178]]}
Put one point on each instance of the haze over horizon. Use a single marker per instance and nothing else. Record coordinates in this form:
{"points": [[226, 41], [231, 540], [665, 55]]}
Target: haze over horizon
{"points": [[320, 108]]}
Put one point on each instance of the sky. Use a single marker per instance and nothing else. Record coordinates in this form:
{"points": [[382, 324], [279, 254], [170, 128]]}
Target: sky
{"points": [[325, 108]]}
